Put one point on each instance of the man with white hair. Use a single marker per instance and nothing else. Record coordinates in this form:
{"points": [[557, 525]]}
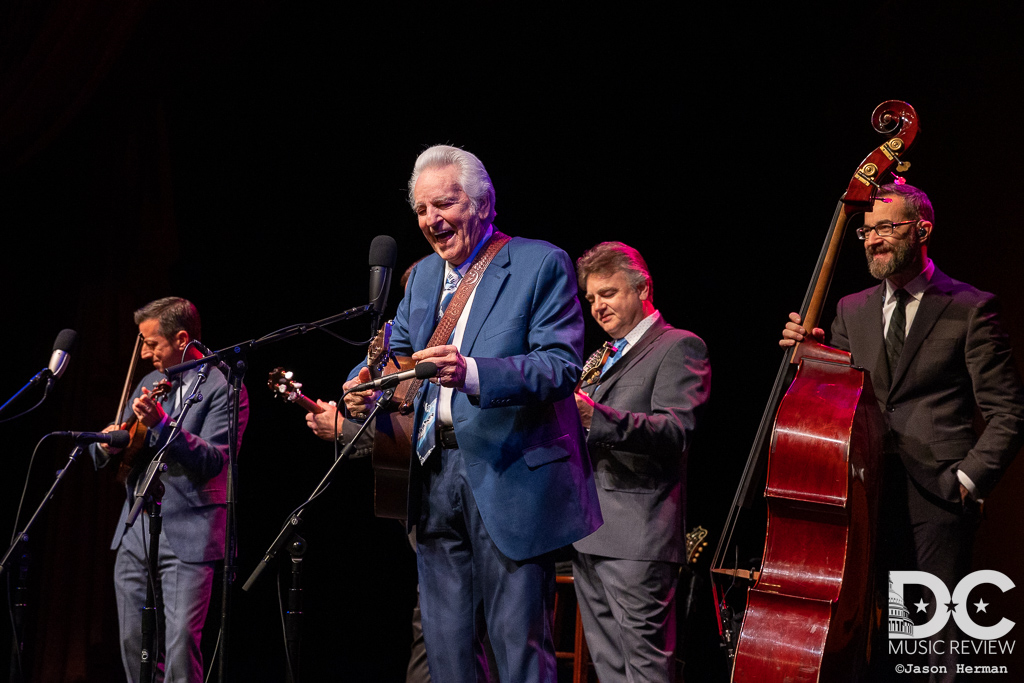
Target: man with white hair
{"points": [[500, 475]]}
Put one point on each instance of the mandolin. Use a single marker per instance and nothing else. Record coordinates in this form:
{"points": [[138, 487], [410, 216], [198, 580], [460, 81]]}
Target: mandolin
{"points": [[591, 372]]}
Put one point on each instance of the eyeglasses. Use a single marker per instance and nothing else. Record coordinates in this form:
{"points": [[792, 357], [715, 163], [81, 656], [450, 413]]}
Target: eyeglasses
{"points": [[882, 229]]}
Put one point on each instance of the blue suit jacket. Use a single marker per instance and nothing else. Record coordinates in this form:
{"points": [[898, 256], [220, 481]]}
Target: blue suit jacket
{"points": [[194, 502], [524, 446]]}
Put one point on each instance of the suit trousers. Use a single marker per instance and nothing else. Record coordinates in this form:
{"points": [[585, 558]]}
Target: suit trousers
{"points": [[186, 589], [629, 617], [919, 532], [468, 587]]}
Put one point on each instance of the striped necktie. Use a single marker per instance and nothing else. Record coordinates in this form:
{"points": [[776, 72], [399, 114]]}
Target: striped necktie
{"points": [[897, 333], [426, 438]]}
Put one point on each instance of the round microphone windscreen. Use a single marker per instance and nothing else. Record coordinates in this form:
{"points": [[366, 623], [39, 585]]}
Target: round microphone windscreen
{"points": [[120, 438], [383, 251], [66, 340], [425, 370]]}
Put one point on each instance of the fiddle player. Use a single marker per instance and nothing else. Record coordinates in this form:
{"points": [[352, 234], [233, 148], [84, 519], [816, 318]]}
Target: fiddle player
{"points": [[937, 352], [193, 507], [499, 475], [640, 416]]}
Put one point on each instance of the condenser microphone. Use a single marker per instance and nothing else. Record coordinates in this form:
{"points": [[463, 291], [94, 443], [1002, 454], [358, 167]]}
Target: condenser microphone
{"points": [[383, 254], [62, 348], [421, 371]]}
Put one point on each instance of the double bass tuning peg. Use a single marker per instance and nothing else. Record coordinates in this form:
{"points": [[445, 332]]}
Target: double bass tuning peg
{"points": [[892, 149]]}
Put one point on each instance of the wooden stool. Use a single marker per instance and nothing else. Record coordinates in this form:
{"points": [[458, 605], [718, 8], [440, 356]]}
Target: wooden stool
{"points": [[579, 655]]}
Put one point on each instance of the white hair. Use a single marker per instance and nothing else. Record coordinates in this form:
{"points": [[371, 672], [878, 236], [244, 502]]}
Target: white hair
{"points": [[473, 177]]}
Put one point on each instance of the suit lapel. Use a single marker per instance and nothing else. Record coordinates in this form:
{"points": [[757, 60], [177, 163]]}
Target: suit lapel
{"points": [[869, 335], [485, 297], [933, 303], [430, 284], [632, 357]]}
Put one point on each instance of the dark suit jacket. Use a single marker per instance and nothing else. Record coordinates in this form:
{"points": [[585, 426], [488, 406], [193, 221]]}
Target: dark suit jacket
{"points": [[522, 440], [193, 507], [956, 358], [644, 416]]}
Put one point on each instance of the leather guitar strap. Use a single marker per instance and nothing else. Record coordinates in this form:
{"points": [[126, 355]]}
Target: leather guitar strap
{"points": [[451, 314]]}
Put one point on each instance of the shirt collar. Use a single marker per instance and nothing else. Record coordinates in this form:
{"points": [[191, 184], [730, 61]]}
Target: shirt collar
{"points": [[915, 288], [464, 268], [633, 336]]}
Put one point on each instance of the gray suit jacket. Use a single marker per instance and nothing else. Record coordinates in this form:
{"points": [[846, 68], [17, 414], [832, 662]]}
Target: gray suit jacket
{"points": [[644, 415], [193, 507], [956, 358]]}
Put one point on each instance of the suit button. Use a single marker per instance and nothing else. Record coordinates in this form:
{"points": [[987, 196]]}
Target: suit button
{"points": [[890, 408]]}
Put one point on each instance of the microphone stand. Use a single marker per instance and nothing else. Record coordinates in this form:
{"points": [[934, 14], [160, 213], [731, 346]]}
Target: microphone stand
{"points": [[154, 589], [149, 491], [23, 535], [17, 645], [288, 536], [233, 358], [45, 373], [157, 464], [19, 598]]}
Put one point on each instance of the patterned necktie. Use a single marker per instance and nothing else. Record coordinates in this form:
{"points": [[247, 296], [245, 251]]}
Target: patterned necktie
{"points": [[897, 333], [451, 283], [426, 437], [620, 346]]}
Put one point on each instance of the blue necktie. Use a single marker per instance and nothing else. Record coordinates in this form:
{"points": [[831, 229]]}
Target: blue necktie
{"points": [[426, 438], [620, 346]]}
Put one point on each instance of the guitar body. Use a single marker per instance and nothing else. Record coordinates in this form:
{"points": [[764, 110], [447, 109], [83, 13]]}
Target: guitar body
{"points": [[392, 451]]}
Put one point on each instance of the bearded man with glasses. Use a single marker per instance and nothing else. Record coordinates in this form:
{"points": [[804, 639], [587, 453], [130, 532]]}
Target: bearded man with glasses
{"points": [[937, 353]]}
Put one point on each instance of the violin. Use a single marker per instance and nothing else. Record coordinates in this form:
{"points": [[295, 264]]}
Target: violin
{"points": [[133, 454]]}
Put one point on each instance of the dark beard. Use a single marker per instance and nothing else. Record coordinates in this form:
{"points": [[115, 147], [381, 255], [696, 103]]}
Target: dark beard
{"points": [[906, 255]]}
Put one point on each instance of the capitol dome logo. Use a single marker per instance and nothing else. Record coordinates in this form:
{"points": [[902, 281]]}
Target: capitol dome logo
{"points": [[900, 624]]}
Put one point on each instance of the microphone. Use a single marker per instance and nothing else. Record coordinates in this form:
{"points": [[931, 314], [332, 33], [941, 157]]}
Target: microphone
{"points": [[207, 352], [62, 348], [118, 438], [383, 254], [421, 371]]}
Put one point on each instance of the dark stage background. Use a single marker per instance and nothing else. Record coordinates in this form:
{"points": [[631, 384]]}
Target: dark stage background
{"points": [[244, 155]]}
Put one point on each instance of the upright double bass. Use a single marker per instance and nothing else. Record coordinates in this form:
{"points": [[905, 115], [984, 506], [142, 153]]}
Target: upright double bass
{"points": [[808, 611]]}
